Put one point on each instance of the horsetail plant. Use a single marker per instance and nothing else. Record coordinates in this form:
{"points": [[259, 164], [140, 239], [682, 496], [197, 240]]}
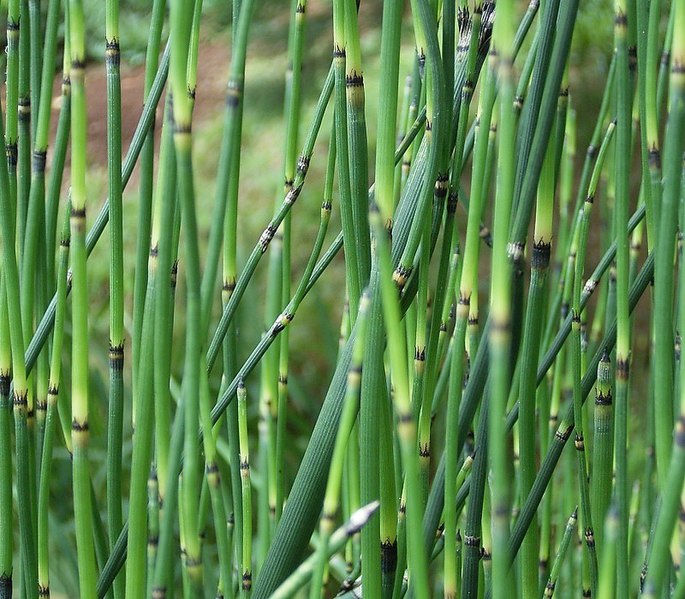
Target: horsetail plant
{"points": [[116, 351], [83, 508], [266, 458]]}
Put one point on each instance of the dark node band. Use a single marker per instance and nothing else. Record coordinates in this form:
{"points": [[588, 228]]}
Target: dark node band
{"points": [[452, 199], [303, 164], [116, 356], [356, 369], [5, 383], [604, 398], [182, 128], [354, 80], [541, 254], [247, 580], [388, 556], [622, 369], [654, 157], [293, 194], [20, 400], [112, 53], [401, 274], [562, 435], [39, 159], [405, 417], [266, 237], [11, 155], [79, 427]]}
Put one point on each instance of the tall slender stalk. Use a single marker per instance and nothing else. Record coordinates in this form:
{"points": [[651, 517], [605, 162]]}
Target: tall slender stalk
{"points": [[6, 507], [603, 448], [83, 508], [116, 324], [561, 554], [589, 558], [529, 354], [16, 335], [180, 33], [331, 501], [144, 213], [671, 482], [12, 99], [664, 368], [500, 304], [293, 110], [246, 489], [51, 415], [342, 143]]}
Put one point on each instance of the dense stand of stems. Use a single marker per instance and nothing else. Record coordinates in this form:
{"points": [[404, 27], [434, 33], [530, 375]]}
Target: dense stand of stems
{"points": [[418, 375]]}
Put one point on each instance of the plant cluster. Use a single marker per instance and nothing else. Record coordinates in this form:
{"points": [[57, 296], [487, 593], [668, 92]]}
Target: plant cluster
{"points": [[440, 461]]}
